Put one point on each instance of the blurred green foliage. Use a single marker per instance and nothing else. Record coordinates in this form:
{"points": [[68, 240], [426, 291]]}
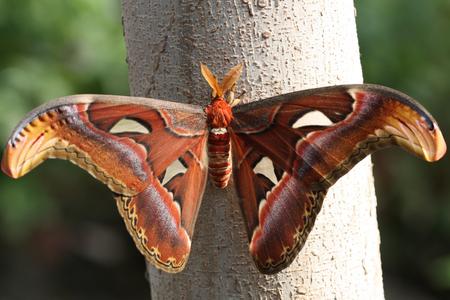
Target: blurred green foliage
{"points": [[55, 48], [51, 49]]}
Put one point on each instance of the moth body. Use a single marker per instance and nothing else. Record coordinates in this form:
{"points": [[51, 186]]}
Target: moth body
{"points": [[219, 116]]}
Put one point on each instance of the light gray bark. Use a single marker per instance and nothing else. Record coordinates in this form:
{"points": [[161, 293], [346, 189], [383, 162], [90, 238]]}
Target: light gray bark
{"points": [[285, 46]]}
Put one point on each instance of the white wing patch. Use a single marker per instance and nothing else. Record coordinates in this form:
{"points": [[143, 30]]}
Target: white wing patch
{"points": [[128, 125], [172, 170], [266, 168], [312, 118]]}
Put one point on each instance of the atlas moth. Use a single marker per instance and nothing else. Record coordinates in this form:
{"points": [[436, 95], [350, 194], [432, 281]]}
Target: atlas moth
{"points": [[284, 153]]}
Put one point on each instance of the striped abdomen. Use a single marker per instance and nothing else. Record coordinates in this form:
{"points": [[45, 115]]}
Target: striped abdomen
{"points": [[219, 156]]}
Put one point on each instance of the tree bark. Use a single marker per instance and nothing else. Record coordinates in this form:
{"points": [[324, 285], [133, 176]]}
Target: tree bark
{"points": [[285, 46]]}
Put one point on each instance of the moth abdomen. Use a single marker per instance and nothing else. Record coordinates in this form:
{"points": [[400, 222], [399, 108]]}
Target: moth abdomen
{"points": [[219, 164]]}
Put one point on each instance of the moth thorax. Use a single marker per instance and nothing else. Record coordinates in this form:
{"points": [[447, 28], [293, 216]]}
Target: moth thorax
{"points": [[218, 113], [219, 163]]}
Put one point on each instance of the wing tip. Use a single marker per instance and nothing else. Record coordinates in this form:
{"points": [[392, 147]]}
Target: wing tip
{"points": [[439, 146], [6, 165], [420, 132], [28, 145], [13, 164]]}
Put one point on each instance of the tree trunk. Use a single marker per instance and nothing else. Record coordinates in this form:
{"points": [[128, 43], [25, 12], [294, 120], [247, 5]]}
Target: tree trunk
{"points": [[285, 46]]}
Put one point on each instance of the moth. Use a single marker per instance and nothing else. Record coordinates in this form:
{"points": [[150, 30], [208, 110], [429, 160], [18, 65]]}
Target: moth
{"points": [[284, 152]]}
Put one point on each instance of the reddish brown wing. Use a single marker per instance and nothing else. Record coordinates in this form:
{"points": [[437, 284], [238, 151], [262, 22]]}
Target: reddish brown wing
{"points": [[150, 153], [288, 150]]}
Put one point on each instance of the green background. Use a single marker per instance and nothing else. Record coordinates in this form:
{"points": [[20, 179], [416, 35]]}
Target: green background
{"points": [[61, 236]]}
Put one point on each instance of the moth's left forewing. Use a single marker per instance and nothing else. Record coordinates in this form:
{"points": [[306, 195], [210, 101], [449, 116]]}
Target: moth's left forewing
{"points": [[308, 140], [150, 153]]}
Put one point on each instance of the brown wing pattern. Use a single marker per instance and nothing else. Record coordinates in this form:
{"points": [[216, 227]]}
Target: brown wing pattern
{"points": [[148, 152], [285, 162]]}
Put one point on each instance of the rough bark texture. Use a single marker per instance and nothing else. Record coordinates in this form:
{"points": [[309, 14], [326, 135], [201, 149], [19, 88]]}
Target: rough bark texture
{"points": [[285, 46]]}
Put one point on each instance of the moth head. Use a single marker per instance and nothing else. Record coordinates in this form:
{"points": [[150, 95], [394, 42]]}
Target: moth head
{"points": [[225, 88]]}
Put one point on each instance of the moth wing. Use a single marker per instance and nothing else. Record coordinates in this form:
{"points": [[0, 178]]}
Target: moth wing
{"points": [[288, 150], [150, 153]]}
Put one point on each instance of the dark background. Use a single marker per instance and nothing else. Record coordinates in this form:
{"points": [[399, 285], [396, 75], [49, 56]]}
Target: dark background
{"points": [[61, 236]]}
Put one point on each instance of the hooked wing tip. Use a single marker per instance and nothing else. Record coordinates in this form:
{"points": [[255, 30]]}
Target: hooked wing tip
{"points": [[411, 125], [30, 142], [440, 148], [7, 165], [12, 166], [28, 147], [422, 140]]}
